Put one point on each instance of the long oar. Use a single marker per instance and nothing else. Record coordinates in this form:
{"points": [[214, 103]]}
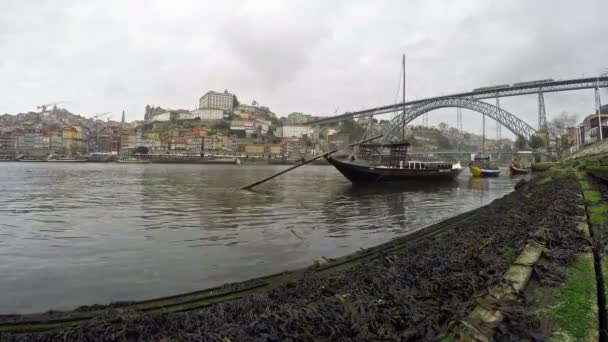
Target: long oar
{"points": [[248, 187]]}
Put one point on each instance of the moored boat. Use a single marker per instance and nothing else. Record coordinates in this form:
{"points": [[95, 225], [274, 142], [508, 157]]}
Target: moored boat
{"points": [[517, 169], [62, 159], [133, 161], [220, 161], [28, 159], [481, 166], [373, 166]]}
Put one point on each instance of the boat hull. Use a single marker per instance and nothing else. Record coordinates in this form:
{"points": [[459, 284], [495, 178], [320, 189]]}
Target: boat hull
{"points": [[133, 161], [518, 171], [220, 161], [368, 174], [479, 172]]}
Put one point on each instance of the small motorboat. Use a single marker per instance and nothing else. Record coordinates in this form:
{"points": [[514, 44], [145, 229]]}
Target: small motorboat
{"points": [[517, 169], [481, 166]]}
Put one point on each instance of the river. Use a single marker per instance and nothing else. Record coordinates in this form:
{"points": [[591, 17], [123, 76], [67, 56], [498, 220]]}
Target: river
{"points": [[87, 233]]}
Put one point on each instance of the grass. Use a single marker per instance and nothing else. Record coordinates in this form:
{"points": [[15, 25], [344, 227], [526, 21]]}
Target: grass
{"points": [[509, 254], [592, 195], [574, 312]]}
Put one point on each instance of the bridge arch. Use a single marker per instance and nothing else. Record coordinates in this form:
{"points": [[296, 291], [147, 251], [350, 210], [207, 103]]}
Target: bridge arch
{"points": [[510, 121]]}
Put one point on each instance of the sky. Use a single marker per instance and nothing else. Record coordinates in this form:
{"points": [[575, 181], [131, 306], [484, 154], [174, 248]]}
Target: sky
{"points": [[318, 57]]}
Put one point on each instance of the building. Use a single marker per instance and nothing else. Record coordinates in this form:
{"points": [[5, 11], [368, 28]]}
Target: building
{"points": [[178, 114], [56, 142], [75, 139], [209, 114], [295, 131], [250, 127], [8, 145], [293, 148], [254, 149], [298, 118], [195, 145], [590, 127], [273, 150], [33, 142], [338, 141], [212, 99]]}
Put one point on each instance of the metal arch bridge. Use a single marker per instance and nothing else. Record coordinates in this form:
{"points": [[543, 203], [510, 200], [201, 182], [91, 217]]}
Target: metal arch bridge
{"points": [[480, 94], [514, 124]]}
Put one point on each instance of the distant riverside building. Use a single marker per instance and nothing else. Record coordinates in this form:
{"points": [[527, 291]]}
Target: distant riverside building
{"points": [[208, 113], [56, 142], [339, 141], [178, 114], [212, 99], [298, 118], [75, 139], [250, 126], [8, 145], [295, 131]]}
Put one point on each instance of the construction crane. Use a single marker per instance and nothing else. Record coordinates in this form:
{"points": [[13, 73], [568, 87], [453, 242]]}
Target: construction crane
{"points": [[101, 114], [43, 107]]}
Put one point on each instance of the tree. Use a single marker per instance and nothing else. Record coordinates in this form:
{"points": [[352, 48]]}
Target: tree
{"points": [[537, 141], [558, 129], [222, 125], [521, 142], [353, 129], [443, 126], [141, 150], [559, 125]]}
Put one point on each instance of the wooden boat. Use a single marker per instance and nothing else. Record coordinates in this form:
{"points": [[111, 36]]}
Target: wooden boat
{"points": [[133, 161], [372, 166], [29, 159], [221, 161], [516, 169], [481, 166], [63, 159]]}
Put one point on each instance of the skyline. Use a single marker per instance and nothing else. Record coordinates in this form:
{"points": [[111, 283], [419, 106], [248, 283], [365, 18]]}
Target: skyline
{"points": [[309, 57]]}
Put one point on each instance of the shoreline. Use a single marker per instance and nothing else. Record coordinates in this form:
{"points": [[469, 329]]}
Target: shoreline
{"points": [[436, 272]]}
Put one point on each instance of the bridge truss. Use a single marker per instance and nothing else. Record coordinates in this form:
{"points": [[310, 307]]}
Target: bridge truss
{"points": [[510, 121], [502, 91]]}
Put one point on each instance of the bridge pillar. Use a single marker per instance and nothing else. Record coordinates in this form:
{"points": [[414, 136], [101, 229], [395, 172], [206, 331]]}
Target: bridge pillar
{"points": [[598, 111], [316, 129], [542, 115], [498, 125]]}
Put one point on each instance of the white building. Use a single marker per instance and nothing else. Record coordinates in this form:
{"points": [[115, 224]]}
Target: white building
{"points": [[250, 126], [298, 118], [295, 131], [208, 113], [185, 116], [166, 116], [213, 99]]}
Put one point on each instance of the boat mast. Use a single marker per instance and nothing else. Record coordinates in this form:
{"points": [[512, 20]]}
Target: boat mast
{"points": [[483, 139], [403, 121]]}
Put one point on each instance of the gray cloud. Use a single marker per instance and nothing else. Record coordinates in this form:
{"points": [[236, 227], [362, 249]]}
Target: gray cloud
{"points": [[310, 56]]}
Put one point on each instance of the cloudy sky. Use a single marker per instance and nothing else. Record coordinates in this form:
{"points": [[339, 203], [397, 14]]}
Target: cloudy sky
{"points": [[309, 56]]}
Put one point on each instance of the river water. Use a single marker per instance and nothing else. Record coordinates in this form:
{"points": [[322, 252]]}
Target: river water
{"points": [[86, 233]]}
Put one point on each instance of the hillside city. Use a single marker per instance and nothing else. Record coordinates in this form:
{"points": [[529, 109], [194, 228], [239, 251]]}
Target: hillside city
{"points": [[221, 125]]}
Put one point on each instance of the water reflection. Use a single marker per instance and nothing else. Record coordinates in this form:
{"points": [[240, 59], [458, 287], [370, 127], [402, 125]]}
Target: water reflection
{"points": [[94, 233]]}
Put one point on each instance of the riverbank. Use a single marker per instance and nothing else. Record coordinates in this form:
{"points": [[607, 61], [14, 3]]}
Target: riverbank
{"points": [[414, 287]]}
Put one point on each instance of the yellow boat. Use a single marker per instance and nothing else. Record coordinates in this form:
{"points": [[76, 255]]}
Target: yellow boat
{"points": [[480, 167]]}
